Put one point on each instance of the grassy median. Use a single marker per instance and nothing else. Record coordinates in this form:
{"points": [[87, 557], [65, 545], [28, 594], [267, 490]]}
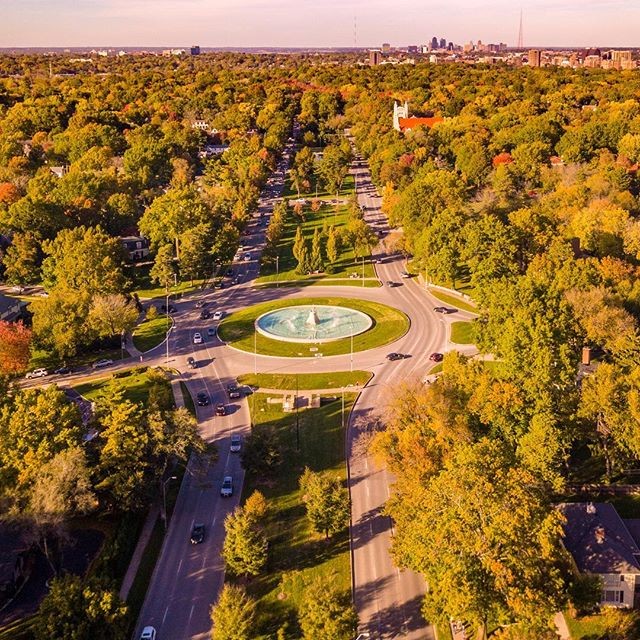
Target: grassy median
{"points": [[388, 326], [306, 381]]}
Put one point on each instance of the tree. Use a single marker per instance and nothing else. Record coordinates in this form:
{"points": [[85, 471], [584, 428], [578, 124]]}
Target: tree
{"points": [[315, 260], [75, 610], [298, 243], [326, 500], [326, 613], [22, 260], [15, 347], [234, 614], [112, 315], [303, 260], [333, 245], [245, 545], [195, 246], [162, 270], [261, 454], [334, 166]]}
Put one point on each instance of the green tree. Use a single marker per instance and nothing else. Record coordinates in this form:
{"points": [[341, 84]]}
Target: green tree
{"points": [[326, 613], [326, 501], [298, 243], [315, 261], [76, 610], [261, 455], [245, 545], [333, 168], [112, 315], [195, 247], [234, 615], [22, 260], [333, 245], [162, 270]]}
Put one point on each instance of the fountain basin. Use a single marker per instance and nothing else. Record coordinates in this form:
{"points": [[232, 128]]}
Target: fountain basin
{"points": [[312, 323]]}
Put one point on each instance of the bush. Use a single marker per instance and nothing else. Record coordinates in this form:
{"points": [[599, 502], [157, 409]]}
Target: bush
{"points": [[152, 313]]}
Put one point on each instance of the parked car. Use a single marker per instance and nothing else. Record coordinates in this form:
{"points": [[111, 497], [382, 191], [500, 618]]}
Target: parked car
{"points": [[202, 399], [105, 362], [205, 314], [148, 633], [236, 443], [37, 373], [62, 371], [436, 357], [197, 338], [191, 363], [211, 332], [197, 533], [396, 356], [221, 410], [218, 315], [233, 391], [226, 491], [444, 310]]}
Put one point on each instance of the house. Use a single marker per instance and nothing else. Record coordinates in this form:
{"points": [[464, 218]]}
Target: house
{"points": [[10, 308], [403, 123], [16, 563], [59, 171], [602, 543], [136, 247], [210, 150]]}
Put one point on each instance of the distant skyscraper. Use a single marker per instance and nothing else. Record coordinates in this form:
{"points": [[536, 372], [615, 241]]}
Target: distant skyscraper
{"points": [[434, 42], [195, 50], [386, 47], [375, 57], [535, 58], [450, 47], [443, 43]]}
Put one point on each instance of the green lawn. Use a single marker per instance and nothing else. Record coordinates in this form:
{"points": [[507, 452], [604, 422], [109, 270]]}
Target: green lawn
{"points": [[146, 289], [454, 301], [345, 266], [296, 553], [587, 627], [150, 333], [135, 383], [238, 329], [462, 333], [48, 360], [348, 187], [289, 381]]}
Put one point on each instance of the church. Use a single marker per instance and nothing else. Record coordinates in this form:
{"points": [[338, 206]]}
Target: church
{"points": [[403, 123]]}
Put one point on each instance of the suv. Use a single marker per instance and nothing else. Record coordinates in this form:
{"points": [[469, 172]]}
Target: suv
{"points": [[436, 357], [37, 373], [205, 314], [236, 443], [191, 363], [233, 391], [197, 533], [148, 633], [226, 491], [202, 399]]}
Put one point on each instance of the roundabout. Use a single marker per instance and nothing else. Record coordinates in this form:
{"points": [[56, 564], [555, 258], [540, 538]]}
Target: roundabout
{"points": [[307, 327]]}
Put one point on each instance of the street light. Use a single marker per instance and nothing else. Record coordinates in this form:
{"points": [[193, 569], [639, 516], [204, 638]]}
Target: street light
{"points": [[277, 270], [164, 499], [168, 323]]}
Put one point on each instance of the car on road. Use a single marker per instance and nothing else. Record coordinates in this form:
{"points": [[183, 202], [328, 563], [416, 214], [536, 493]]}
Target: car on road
{"points": [[37, 373], [148, 633], [221, 410], [405, 274], [197, 533], [197, 338], [233, 391], [211, 332], [62, 371], [444, 310], [202, 399], [200, 303], [218, 315], [391, 283], [226, 490], [191, 363], [247, 257], [397, 356], [171, 308], [99, 364], [436, 357], [205, 314], [236, 443]]}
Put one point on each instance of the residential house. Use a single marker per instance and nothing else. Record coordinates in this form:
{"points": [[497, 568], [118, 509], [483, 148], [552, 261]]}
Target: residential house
{"points": [[604, 544], [10, 308], [136, 247], [16, 563], [59, 171]]}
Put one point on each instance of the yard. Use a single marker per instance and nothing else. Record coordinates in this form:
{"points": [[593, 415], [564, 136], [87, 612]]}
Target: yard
{"points": [[150, 333], [296, 553], [462, 333], [142, 285], [289, 381], [452, 300]]}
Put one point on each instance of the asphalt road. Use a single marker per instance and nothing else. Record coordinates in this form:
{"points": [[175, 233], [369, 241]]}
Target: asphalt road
{"points": [[187, 578]]}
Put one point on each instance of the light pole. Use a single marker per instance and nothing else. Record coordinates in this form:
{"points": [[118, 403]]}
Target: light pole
{"points": [[168, 322], [351, 336], [295, 404], [255, 352], [277, 271], [363, 271], [164, 499]]}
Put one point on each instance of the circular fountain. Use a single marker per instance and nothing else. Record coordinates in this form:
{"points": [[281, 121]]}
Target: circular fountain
{"points": [[312, 323]]}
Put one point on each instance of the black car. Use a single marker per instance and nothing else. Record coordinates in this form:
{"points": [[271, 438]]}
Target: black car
{"points": [[233, 391], [202, 399], [205, 314], [191, 363], [396, 356], [197, 533], [62, 371], [390, 283], [170, 308], [444, 310], [221, 410]]}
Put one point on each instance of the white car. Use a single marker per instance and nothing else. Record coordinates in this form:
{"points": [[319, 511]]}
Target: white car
{"points": [[105, 362], [247, 257], [226, 491], [148, 633], [218, 315], [236, 444], [197, 338], [37, 373]]}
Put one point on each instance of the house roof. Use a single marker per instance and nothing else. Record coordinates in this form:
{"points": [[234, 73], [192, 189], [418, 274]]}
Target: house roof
{"points": [[502, 158], [8, 304], [411, 123], [598, 539]]}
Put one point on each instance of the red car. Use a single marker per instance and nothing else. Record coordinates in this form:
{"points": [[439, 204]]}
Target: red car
{"points": [[436, 357]]}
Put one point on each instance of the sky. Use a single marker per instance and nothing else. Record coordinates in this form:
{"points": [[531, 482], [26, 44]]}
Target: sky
{"points": [[315, 23]]}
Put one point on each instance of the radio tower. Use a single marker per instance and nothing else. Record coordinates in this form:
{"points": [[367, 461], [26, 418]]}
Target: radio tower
{"points": [[520, 34], [355, 32]]}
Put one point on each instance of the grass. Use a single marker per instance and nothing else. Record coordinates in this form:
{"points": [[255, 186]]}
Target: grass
{"points": [[454, 301], [150, 333], [348, 187], [136, 384], [346, 264], [238, 329], [296, 553], [436, 369], [289, 381], [587, 627], [146, 289], [48, 360], [462, 333]]}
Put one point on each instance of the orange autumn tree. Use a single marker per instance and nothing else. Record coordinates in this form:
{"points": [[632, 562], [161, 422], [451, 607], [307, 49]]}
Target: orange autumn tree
{"points": [[15, 344]]}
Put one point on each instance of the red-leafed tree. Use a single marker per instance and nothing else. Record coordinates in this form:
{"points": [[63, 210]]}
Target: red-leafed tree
{"points": [[15, 343], [8, 193]]}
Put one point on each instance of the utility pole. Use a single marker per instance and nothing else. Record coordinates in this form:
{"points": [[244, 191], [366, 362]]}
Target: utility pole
{"points": [[277, 271], [295, 404], [255, 352], [168, 319]]}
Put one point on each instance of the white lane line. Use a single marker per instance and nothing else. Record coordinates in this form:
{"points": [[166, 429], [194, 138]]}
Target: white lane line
{"points": [[164, 617], [179, 566], [191, 613]]}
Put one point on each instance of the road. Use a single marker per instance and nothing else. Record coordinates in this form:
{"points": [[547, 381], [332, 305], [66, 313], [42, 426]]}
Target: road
{"points": [[187, 578]]}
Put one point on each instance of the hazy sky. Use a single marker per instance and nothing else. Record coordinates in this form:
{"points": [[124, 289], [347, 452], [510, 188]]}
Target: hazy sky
{"points": [[314, 22]]}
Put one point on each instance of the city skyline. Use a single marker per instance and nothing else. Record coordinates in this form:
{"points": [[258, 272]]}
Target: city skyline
{"points": [[301, 23]]}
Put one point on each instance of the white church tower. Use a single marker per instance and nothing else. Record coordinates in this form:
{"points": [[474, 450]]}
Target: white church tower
{"points": [[399, 111]]}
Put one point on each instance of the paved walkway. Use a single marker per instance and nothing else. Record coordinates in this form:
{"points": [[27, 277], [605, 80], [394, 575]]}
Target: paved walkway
{"points": [[149, 523], [561, 626]]}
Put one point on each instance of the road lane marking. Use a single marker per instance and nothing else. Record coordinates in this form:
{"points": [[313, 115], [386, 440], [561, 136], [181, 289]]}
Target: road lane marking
{"points": [[164, 617]]}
